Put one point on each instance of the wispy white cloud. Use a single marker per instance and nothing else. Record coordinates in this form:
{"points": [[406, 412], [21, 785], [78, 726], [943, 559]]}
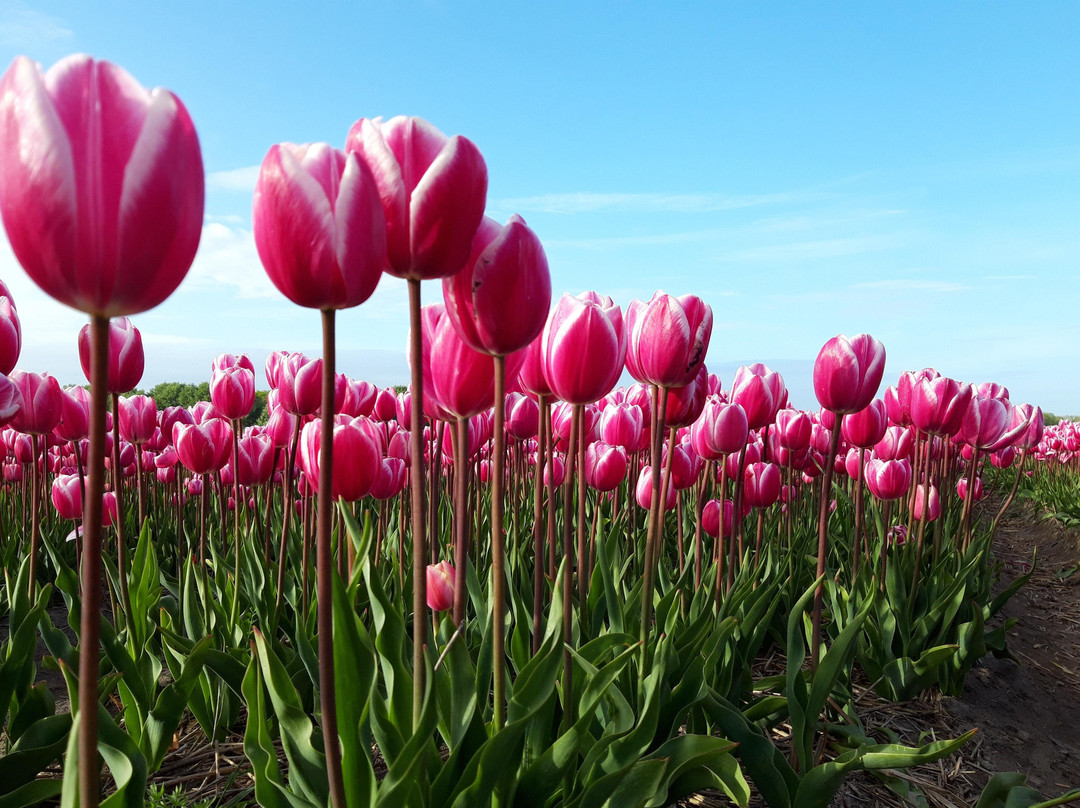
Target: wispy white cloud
{"points": [[592, 202], [227, 259], [235, 179], [26, 28]]}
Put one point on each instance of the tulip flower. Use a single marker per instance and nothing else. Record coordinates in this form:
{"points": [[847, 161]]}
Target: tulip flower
{"points": [[232, 391], [584, 347], [138, 418], [938, 405], [605, 466], [42, 402], [499, 300], [10, 335], [440, 586], [667, 339], [203, 448], [760, 392], [721, 431], [67, 496], [847, 372], [927, 506], [761, 484]]}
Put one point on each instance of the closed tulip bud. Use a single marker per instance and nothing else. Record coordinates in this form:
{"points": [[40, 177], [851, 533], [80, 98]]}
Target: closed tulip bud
{"points": [[685, 404], [256, 464], [1004, 458], [927, 506], [319, 225], [761, 484], [10, 335], [938, 405], [169, 417], [67, 496], [101, 185], [355, 456], [359, 399], [440, 586], [962, 488], [205, 447], [42, 401], [847, 373], [623, 425], [166, 475], [605, 466], [299, 384], [793, 430], [1030, 437], [711, 521], [462, 381], [867, 426], [554, 471], [232, 391], [10, 399], [667, 339], [721, 430], [533, 377], [433, 191], [499, 300], [126, 358], [391, 479], [887, 479], [138, 418], [584, 347], [643, 491], [760, 392], [896, 444], [522, 416]]}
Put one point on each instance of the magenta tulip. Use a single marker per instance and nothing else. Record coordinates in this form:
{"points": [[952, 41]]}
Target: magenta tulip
{"points": [[10, 335], [793, 430], [138, 418], [232, 391], [847, 372], [440, 586], [256, 465], [605, 466], [74, 423], [760, 392], [938, 405], [67, 496], [355, 457], [927, 506], [499, 301], [623, 425], [887, 479], [584, 347], [667, 339], [205, 447], [866, 427], [433, 191], [42, 401], [101, 184], [761, 484], [126, 358], [319, 225], [721, 430]]}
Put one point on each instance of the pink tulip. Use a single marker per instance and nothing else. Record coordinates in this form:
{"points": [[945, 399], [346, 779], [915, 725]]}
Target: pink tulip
{"points": [[319, 225], [204, 447], [938, 405], [522, 416], [391, 480], [67, 496], [761, 484], [711, 517], [554, 471], [126, 358], [584, 347], [867, 426], [101, 184], [667, 339], [232, 391], [440, 586], [359, 399], [533, 377], [74, 423], [138, 418], [897, 443], [10, 400], [962, 488], [623, 425], [720, 431], [847, 372], [42, 401], [760, 392], [462, 380], [10, 335], [928, 506], [685, 404], [605, 466], [793, 430], [1030, 437], [499, 301], [169, 417], [433, 191], [356, 458], [887, 479], [643, 491], [256, 464]]}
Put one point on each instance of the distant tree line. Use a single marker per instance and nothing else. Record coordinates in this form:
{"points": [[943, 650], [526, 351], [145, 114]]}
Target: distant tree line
{"points": [[180, 394]]}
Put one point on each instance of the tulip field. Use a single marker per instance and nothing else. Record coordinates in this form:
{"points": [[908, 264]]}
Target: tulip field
{"points": [[514, 581]]}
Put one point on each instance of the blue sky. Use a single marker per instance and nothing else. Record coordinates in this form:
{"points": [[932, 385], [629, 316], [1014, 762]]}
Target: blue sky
{"points": [[911, 170]]}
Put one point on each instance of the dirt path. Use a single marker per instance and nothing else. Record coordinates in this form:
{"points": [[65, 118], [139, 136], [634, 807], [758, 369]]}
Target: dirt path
{"points": [[1028, 712]]}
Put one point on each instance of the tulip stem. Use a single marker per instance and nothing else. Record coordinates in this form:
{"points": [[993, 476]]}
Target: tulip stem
{"points": [[461, 518], [498, 542], [538, 538], [568, 578], [90, 621], [823, 539], [35, 508], [235, 611], [121, 527], [286, 518], [325, 570], [659, 412], [416, 474]]}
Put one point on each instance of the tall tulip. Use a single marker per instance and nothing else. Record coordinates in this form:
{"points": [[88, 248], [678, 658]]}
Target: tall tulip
{"points": [[321, 234], [101, 193], [667, 339]]}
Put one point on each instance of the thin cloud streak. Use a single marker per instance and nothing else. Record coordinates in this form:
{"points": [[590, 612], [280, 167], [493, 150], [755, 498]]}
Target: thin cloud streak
{"points": [[235, 179], [591, 202], [27, 29]]}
